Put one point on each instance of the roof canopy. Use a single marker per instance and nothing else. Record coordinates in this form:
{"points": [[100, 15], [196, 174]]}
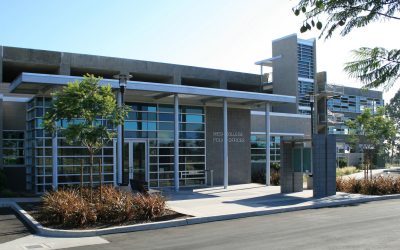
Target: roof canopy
{"points": [[32, 83]]}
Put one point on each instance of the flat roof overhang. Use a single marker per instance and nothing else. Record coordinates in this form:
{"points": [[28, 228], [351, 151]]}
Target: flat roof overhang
{"points": [[33, 83]]}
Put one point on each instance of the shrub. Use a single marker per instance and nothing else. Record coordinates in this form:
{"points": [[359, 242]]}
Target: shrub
{"points": [[114, 205], [3, 180], [346, 171], [68, 208], [275, 178], [342, 162], [148, 207], [375, 186]]}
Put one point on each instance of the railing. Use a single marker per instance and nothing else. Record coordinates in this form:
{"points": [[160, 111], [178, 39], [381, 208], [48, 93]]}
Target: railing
{"points": [[197, 174]]}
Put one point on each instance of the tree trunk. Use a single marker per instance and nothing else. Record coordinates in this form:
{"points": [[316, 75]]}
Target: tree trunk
{"points": [[100, 179], [91, 176], [81, 188]]}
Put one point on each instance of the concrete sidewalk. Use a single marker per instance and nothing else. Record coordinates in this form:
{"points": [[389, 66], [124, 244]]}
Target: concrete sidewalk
{"points": [[248, 198]]}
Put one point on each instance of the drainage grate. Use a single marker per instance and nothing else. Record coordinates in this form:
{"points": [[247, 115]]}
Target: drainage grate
{"points": [[35, 246]]}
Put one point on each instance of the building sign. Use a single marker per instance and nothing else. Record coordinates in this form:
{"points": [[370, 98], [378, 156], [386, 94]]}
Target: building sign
{"points": [[233, 136]]}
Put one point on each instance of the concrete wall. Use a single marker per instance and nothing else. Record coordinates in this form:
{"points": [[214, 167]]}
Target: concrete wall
{"points": [[17, 60], [14, 116], [284, 75], [239, 145], [283, 124]]}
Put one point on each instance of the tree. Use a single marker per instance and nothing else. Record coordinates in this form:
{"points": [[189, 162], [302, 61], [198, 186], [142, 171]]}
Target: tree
{"points": [[393, 111], [374, 67], [373, 132], [86, 113]]}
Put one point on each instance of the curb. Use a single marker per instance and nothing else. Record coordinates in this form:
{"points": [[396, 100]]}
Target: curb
{"points": [[45, 231]]}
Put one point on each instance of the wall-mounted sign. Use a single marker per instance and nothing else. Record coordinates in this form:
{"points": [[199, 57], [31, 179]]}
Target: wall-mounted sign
{"points": [[233, 136]]}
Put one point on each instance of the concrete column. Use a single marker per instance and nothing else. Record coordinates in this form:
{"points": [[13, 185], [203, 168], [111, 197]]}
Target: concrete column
{"points": [[324, 158], [54, 146], [119, 143], [65, 64], [225, 139], [176, 142], [291, 179], [268, 145]]}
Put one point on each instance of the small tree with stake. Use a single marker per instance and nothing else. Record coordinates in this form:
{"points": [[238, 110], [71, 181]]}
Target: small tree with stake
{"points": [[375, 132], [82, 105]]}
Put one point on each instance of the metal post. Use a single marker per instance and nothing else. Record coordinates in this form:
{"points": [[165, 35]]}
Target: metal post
{"points": [[119, 143], [225, 115], [54, 146], [312, 101], [268, 145], [176, 142]]}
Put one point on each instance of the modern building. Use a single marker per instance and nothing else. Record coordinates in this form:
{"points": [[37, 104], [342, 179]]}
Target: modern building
{"points": [[185, 123], [188, 126]]}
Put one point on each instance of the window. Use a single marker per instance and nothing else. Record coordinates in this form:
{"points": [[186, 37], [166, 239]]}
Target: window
{"points": [[13, 147]]}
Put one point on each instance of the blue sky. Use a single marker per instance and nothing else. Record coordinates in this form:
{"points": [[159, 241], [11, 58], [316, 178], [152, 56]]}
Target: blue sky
{"points": [[224, 34]]}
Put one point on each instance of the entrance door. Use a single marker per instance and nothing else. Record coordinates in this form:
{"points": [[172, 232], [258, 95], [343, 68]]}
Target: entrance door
{"points": [[135, 160]]}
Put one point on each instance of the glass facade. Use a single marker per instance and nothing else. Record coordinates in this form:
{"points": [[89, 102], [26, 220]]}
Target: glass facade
{"points": [[258, 148], [306, 69], [346, 107], [153, 123], [305, 59], [13, 147]]}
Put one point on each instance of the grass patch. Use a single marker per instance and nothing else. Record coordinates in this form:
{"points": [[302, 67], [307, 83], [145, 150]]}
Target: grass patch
{"points": [[346, 171]]}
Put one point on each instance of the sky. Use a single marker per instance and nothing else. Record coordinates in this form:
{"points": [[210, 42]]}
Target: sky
{"points": [[221, 34]]}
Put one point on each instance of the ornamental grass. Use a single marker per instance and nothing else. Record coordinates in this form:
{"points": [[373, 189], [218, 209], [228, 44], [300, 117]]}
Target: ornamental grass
{"points": [[79, 208], [376, 186]]}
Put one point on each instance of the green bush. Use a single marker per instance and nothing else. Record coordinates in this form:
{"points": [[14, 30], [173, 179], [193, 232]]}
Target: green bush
{"points": [[259, 176], [375, 186], [342, 162]]}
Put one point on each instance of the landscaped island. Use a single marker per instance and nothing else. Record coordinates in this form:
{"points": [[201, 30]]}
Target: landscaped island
{"points": [[108, 206]]}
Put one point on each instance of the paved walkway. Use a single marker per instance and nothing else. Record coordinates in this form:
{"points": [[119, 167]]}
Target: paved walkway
{"points": [[244, 198]]}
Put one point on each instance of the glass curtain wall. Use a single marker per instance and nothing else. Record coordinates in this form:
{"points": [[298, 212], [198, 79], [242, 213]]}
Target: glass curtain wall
{"points": [[155, 122], [152, 122]]}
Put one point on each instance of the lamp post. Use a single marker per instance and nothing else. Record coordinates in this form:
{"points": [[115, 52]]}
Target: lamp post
{"points": [[123, 78], [312, 101]]}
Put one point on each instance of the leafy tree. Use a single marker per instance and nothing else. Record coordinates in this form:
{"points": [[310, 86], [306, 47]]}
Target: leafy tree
{"points": [[373, 132], [374, 67], [76, 111], [393, 111]]}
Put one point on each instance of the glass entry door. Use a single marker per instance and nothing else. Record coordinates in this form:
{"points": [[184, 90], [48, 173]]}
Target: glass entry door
{"points": [[135, 160]]}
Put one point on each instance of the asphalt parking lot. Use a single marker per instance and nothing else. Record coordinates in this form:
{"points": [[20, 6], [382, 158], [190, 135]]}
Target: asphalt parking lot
{"points": [[11, 227]]}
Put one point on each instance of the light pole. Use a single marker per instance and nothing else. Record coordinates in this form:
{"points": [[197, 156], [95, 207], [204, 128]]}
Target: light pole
{"points": [[123, 79], [312, 101]]}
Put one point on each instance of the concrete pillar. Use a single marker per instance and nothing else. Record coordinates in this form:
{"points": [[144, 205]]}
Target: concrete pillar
{"points": [[65, 64], [176, 142], [225, 140], [119, 143], [54, 146], [324, 172], [267, 145]]}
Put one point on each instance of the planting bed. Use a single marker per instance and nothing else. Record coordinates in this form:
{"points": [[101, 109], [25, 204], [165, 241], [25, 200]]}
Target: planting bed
{"points": [[34, 208]]}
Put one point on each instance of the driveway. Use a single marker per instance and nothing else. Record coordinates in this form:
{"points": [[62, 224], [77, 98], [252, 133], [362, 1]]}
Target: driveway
{"points": [[373, 225], [11, 227]]}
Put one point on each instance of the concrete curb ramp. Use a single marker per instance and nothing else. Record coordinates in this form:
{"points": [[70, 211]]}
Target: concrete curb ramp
{"points": [[44, 231]]}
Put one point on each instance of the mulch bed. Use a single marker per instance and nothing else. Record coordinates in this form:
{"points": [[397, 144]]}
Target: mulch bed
{"points": [[33, 210]]}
